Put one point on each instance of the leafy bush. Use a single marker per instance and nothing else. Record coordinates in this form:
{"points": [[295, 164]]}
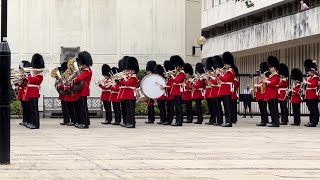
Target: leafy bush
{"points": [[142, 74], [16, 108]]}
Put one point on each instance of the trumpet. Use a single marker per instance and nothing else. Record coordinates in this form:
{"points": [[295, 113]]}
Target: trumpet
{"points": [[41, 70], [174, 72], [120, 75]]}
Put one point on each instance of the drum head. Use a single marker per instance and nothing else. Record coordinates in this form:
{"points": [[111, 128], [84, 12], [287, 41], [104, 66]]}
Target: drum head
{"points": [[151, 86]]}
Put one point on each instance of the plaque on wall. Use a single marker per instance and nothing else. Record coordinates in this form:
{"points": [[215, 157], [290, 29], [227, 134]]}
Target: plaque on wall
{"points": [[68, 53]]}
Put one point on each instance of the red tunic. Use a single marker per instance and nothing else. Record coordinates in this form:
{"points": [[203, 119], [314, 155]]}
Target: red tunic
{"points": [[85, 76], [186, 95], [312, 86], [115, 89], [71, 97], [33, 88], [283, 86], [296, 98], [271, 91], [227, 82], [259, 94], [169, 88], [177, 88], [129, 86], [234, 95], [199, 87], [21, 90], [106, 91]]}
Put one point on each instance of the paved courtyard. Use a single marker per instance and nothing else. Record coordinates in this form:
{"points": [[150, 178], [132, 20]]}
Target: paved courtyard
{"points": [[161, 152]]}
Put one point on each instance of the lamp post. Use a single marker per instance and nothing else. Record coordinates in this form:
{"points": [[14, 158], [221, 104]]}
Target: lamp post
{"points": [[5, 78], [201, 41]]}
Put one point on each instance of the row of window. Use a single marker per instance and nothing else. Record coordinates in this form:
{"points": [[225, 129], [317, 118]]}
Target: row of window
{"points": [[267, 15]]}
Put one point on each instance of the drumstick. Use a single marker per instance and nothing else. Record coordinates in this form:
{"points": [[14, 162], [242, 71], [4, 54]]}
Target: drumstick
{"points": [[160, 85]]}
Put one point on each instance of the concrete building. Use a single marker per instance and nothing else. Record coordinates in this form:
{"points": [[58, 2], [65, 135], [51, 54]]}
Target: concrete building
{"points": [[109, 29], [272, 27]]}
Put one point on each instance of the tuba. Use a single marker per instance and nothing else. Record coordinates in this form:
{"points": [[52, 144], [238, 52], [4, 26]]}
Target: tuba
{"points": [[55, 73], [74, 68]]}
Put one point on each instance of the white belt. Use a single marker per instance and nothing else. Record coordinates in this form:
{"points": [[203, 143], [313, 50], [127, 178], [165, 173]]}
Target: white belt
{"points": [[312, 88], [33, 85], [227, 83], [127, 87], [231, 85], [115, 92], [282, 89], [106, 90]]}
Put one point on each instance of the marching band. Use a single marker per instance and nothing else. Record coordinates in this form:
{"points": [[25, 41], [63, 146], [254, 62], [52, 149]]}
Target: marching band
{"points": [[216, 81]]}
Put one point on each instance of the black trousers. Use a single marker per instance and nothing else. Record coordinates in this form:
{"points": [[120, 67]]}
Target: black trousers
{"points": [[124, 111], [34, 112], [247, 105], [130, 111], [178, 109], [296, 109], [107, 108], [84, 112], [170, 111], [117, 111], [312, 105], [274, 111], [162, 109], [199, 110], [72, 111], [213, 116], [228, 109], [235, 110], [151, 113], [25, 111], [189, 111], [65, 113], [284, 111], [263, 111]]}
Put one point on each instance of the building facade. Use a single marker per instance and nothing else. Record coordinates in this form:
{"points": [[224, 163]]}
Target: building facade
{"points": [[108, 29], [273, 27]]}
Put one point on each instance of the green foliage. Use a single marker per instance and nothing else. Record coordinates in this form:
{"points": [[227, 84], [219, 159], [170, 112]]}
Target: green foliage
{"points": [[248, 3], [142, 73], [16, 108]]}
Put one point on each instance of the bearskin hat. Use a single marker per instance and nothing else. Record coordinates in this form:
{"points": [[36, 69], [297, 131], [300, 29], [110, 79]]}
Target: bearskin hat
{"points": [[209, 63], [150, 66], [310, 65], [132, 64], [283, 70], [37, 61], [177, 61], [106, 70], [188, 69], [236, 70], [168, 65], [24, 64], [263, 67], [115, 70], [158, 69], [296, 74], [200, 68], [64, 67], [228, 58], [217, 61], [84, 58], [273, 62]]}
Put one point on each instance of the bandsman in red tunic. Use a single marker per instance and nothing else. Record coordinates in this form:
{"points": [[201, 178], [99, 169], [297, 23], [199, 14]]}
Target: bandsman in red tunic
{"points": [[32, 91], [260, 93], [177, 88], [151, 114], [187, 92], [296, 100], [129, 84], [234, 95], [59, 85], [161, 100], [311, 97], [226, 79], [271, 91], [85, 61], [115, 88], [122, 69], [283, 88], [198, 88], [105, 85], [21, 86], [170, 98]]}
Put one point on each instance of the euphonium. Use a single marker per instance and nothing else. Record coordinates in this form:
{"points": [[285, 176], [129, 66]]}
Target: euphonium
{"points": [[73, 66], [55, 73]]}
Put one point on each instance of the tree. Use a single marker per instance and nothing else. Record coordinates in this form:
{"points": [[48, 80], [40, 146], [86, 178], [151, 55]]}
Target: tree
{"points": [[248, 3]]}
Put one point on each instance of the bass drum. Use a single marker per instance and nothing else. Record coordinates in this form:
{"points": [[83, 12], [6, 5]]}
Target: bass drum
{"points": [[153, 86]]}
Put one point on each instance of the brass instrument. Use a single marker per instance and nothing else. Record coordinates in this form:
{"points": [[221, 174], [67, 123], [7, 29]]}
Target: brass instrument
{"points": [[55, 73], [254, 89], [74, 68]]}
